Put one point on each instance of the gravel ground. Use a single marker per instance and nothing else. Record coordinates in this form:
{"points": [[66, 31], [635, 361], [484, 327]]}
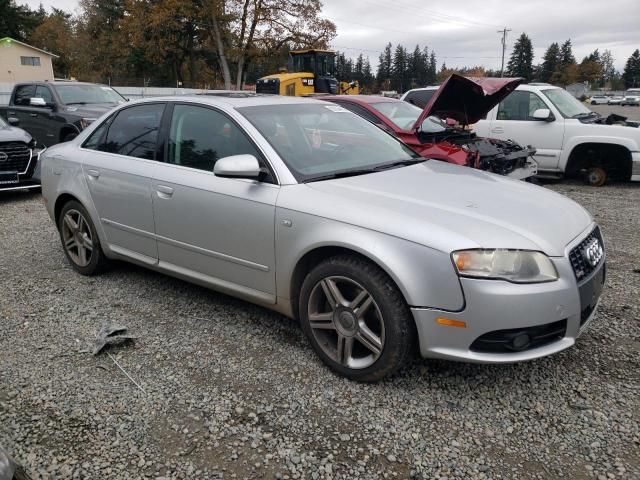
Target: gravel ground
{"points": [[234, 391], [631, 112]]}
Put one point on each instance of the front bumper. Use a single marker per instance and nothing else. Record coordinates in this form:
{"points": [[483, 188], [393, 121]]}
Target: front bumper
{"points": [[530, 169], [493, 305], [635, 167]]}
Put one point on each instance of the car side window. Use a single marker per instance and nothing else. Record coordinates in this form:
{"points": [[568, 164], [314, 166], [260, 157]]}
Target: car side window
{"points": [[200, 136], [23, 94], [363, 112], [44, 93], [520, 105], [96, 139], [134, 131]]}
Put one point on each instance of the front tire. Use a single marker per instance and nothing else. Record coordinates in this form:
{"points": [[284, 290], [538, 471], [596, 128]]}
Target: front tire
{"points": [[356, 318], [596, 176], [79, 240]]}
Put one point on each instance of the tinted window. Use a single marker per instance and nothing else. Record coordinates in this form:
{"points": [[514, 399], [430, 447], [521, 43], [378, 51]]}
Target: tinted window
{"points": [[96, 139], [134, 131], [44, 93], [520, 105], [23, 94], [419, 98], [200, 136]]}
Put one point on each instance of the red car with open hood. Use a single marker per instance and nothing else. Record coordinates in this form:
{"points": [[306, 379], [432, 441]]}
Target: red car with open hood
{"points": [[441, 130]]}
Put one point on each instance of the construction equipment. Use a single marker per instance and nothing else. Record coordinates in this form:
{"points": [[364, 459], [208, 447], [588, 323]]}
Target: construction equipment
{"points": [[310, 72]]}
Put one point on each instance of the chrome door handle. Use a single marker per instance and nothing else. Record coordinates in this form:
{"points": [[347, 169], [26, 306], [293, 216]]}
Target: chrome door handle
{"points": [[164, 191], [93, 173], [33, 114], [497, 130]]}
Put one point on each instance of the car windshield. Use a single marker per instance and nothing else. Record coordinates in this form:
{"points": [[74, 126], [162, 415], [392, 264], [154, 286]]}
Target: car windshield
{"points": [[86, 94], [320, 141], [567, 104], [402, 114]]}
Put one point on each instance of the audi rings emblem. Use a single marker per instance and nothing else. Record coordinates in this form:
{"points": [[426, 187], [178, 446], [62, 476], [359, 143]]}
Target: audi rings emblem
{"points": [[593, 252]]}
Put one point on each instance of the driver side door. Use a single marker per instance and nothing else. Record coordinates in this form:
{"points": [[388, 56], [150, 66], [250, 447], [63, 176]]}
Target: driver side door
{"points": [[514, 121], [217, 231]]}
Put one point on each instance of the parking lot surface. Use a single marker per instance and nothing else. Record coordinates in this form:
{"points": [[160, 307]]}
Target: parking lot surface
{"points": [[631, 112], [230, 390]]}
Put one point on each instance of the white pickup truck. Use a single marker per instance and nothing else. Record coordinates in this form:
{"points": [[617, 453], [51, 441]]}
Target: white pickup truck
{"points": [[570, 139]]}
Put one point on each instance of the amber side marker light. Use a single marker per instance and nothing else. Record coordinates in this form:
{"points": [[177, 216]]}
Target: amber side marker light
{"points": [[447, 322]]}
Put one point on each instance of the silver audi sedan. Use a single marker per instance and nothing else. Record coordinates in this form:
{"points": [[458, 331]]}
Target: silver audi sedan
{"points": [[307, 209]]}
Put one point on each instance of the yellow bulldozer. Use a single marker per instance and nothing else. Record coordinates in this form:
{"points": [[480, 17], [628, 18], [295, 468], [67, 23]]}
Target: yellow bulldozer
{"points": [[310, 72]]}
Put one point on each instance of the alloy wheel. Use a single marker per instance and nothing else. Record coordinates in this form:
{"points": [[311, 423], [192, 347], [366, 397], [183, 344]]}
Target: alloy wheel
{"points": [[346, 322], [77, 238]]}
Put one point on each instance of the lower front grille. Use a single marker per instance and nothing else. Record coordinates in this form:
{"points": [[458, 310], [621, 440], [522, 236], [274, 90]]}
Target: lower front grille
{"points": [[16, 157], [520, 339]]}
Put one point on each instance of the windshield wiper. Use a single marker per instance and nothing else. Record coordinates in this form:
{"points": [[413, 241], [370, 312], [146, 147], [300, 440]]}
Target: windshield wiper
{"points": [[76, 103], [399, 163], [362, 171], [343, 174], [585, 114]]}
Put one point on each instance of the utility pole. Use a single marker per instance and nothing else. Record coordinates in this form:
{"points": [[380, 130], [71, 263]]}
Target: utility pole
{"points": [[504, 47]]}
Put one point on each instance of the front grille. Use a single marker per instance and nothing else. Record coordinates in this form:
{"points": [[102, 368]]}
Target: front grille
{"points": [[582, 268], [520, 339], [18, 156]]}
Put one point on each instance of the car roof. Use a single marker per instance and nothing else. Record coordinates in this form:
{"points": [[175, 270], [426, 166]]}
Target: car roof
{"points": [[59, 82], [421, 89], [360, 98], [233, 101]]}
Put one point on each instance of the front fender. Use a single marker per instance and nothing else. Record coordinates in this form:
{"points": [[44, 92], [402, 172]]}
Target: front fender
{"points": [[631, 144], [425, 276]]}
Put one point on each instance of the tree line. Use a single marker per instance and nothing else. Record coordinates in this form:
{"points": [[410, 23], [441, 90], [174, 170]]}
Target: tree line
{"points": [[559, 66], [193, 43]]}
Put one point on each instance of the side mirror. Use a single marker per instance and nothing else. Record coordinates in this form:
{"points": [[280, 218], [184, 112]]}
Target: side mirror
{"points": [[37, 102], [543, 114], [13, 121], [237, 166]]}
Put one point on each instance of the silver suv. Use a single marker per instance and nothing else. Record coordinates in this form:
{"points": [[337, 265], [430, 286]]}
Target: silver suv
{"points": [[307, 209]]}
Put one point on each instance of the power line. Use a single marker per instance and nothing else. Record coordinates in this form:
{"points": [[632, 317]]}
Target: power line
{"points": [[504, 47]]}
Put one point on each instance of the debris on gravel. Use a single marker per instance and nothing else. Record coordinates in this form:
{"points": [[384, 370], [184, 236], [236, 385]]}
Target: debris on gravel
{"points": [[230, 390]]}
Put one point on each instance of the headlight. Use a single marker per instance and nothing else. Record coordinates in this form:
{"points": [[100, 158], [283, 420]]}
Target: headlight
{"points": [[85, 122], [518, 266]]}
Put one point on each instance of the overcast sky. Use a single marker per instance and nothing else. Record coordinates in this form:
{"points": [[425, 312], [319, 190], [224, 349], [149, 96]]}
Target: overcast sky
{"points": [[464, 33]]}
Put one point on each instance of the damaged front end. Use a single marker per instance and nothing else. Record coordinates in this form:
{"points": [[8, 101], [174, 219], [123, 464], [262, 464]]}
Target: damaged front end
{"points": [[462, 147], [611, 119]]}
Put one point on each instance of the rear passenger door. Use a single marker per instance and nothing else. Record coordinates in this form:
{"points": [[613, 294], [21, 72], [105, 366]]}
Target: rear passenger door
{"points": [[219, 231], [118, 169]]}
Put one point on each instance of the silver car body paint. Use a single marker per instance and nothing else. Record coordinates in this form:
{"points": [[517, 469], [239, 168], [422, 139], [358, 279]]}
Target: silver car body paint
{"points": [[245, 238]]}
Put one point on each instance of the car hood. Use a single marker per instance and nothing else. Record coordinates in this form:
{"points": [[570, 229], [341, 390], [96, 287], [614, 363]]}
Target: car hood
{"points": [[90, 111], [13, 134], [467, 100], [448, 207]]}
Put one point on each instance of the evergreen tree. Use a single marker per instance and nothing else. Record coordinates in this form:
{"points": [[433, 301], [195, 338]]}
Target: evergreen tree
{"points": [[631, 73], [18, 21], [432, 72], [566, 54], [550, 63], [521, 61], [399, 69], [384, 65]]}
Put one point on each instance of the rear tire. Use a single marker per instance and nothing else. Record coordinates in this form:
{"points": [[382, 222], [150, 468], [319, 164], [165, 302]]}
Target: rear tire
{"points": [[356, 319], [80, 240]]}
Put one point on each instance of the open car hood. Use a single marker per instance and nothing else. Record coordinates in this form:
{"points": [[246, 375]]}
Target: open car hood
{"points": [[467, 100]]}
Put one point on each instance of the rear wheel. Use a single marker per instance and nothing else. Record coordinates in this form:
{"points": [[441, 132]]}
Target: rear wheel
{"points": [[356, 318], [80, 240]]}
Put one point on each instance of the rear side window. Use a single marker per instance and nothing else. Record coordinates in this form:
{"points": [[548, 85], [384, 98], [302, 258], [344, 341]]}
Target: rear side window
{"points": [[419, 98], [23, 94], [134, 131]]}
